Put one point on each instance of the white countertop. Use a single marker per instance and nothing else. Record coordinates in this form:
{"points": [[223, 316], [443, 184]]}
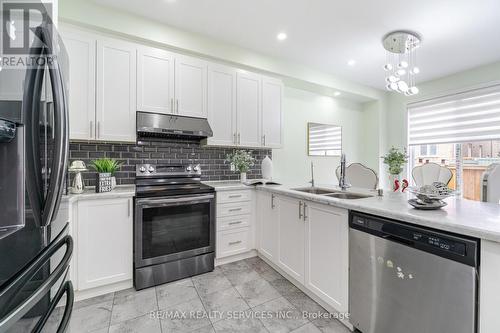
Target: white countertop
{"points": [[231, 185], [120, 191], [465, 217]]}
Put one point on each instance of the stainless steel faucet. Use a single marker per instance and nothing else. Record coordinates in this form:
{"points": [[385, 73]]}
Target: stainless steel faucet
{"points": [[343, 184], [312, 175]]}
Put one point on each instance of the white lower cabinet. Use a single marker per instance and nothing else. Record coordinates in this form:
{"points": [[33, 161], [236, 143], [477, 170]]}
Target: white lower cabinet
{"points": [[309, 242], [291, 237], [235, 241], [104, 248], [234, 223], [327, 254], [268, 225]]}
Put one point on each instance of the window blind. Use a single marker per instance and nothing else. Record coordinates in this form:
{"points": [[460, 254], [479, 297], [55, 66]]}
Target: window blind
{"points": [[325, 140], [469, 116]]}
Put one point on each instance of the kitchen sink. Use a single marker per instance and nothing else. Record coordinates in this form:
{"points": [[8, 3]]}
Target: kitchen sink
{"points": [[314, 190], [347, 195]]}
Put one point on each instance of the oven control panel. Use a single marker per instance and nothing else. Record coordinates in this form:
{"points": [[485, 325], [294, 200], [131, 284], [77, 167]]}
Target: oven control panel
{"points": [[144, 170]]}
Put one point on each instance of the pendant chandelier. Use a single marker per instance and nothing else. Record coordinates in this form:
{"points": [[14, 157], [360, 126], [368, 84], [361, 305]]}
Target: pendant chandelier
{"points": [[401, 61]]}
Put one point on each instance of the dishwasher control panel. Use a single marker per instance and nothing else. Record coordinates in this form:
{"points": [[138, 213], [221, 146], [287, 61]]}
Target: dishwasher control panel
{"points": [[459, 248]]}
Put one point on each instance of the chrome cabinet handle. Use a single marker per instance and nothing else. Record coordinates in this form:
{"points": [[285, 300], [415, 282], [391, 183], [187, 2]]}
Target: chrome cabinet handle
{"points": [[272, 201], [91, 129], [264, 140], [177, 105], [172, 105], [300, 210], [234, 243], [237, 222], [235, 210], [235, 196], [235, 141], [304, 216], [98, 135], [128, 207], [239, 138]]}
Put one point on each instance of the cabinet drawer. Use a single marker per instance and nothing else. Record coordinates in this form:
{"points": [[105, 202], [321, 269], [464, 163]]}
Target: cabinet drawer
{"points": [[233, 196], [231, 242], [235, 208], [233, 222]]}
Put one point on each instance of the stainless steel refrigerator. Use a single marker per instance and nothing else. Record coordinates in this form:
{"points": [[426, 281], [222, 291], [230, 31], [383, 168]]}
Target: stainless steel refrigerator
{"points": [[35, 248]]}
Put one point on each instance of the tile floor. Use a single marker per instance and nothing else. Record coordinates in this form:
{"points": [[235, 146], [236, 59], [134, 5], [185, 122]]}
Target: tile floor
{"points": [[244, 296]]}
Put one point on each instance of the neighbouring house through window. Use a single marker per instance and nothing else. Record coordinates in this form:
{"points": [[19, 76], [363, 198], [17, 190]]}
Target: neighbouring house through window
{"points": [[459, 131]]}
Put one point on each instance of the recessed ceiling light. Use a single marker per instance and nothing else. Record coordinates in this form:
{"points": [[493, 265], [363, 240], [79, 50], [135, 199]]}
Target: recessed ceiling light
{"points": [[281, 36], [351, 62], [337, 93]]}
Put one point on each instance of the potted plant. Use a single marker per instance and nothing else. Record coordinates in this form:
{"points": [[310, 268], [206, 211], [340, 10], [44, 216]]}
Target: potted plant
{"points": [[105, 168], [242, 161], [395, 160]]}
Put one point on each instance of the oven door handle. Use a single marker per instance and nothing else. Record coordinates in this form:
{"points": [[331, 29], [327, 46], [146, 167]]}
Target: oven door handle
{"points": [[171, 201]]}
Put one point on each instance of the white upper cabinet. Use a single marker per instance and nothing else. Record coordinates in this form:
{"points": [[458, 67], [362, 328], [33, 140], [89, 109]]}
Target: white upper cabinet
{"points": [[248, 94], [116, 90], [272, 115], [327, 254], [190, 87], [222, 104], [155, 80], [81, 48]]}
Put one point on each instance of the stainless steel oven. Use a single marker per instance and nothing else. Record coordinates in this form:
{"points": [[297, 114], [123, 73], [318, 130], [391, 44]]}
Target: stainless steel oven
{"points": [[174, 228]]}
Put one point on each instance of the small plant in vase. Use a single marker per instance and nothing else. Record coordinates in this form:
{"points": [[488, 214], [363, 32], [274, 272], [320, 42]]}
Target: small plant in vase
{"points": [[106, 168], [395, 160], [241, 161]]}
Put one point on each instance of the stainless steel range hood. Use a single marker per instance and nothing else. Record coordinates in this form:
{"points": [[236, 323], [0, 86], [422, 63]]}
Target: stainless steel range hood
{"points": [[171, 126]]}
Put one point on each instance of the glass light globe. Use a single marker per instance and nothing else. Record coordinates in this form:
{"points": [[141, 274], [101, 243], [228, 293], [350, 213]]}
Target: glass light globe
{"points": [[400, 72], [388, 87], [394, 86], [415, 70], [413, 90], [403, 64], [388, 67], [402, 86], [392, 78]]}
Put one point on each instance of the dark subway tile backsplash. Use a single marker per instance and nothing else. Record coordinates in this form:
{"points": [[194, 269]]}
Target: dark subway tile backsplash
{"points": [[211, 159]]}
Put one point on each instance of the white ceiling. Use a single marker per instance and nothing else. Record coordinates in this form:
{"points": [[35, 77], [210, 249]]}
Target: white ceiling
{"points": [[325, 34]]}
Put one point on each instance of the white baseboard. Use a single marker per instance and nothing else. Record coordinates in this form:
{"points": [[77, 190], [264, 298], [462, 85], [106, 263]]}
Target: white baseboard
{"points": [[236, 257], [89, 293]]}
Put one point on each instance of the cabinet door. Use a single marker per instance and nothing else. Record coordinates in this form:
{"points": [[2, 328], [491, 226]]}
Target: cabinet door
{"points": [[222, 104], [81, 48], [327, 256], [190, 87], [268, 225], [104, 242], [248, 88], [155, 80], [272, 114], [291, 238], [116, 90]]}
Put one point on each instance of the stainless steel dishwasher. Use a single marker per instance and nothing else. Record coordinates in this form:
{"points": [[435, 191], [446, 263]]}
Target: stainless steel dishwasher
{"points": [[405, 278]]}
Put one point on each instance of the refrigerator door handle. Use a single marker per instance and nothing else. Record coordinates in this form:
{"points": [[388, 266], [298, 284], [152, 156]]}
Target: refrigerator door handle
{"points": [[61, 143], [44, 209], [66, 288], [7, 294]]}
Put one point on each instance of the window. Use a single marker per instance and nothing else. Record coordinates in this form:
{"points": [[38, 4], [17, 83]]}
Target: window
{"points": [[324, 140], [461, 132]]}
